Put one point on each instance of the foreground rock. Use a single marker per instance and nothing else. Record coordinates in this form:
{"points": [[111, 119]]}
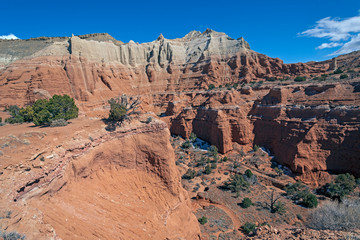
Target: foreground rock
{"points": [[95, 184]]}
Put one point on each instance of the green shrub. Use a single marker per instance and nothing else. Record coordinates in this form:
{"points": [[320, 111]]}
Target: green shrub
{"points": [[246, 202], [248, 228], [300, 79], [0, 120], [338, 71], [237, 183], [343, 185], [279, 207], [310, 201], [343, 76], [186, 144], [11, 235], [248, 173], [296, 191], [224, 159], [117, 111], [207, 169], [27, 114], [203, 220], [16, 117], [213, 165], [122, 107], [256, 147], [192, 137], [278, 171], [43, 111], [211, 87], [190, 174]]}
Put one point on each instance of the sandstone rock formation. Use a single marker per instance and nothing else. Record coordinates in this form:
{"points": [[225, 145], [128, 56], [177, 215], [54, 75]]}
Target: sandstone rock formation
{"points": [[302, 124], [94, 67], [310, 128], [89, 183]]}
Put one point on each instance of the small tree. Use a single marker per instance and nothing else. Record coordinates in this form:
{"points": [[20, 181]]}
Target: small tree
{"points": [[343, 76], [274, 205], [207, 169], [338, 71], [203, 220], [237, 183], [310, 201], [122, 108], [342, 186], [211, 87], [248, 173], [246, 202], [300, 79], [190, 174], [248, 228], [192, 137]]}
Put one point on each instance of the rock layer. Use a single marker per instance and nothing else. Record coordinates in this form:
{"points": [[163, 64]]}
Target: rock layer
{"points": [[94, 67], [111, 185]]}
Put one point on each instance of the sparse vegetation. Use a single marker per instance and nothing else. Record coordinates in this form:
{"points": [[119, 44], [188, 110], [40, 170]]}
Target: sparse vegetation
{"points": [[11, 235], [211, 87], [237, 183], [192, 137], [300, 79], [190, 174], [278, 171], [186, 144], [207, 169], [338, 71], [335, 216], [246, 202], [203, 220], [248, 228], [44, 111], [122, 108], [310, 201], [343, 76], [58, 123], [300, 193], [248, 173], [343, 185], [274, 204]]}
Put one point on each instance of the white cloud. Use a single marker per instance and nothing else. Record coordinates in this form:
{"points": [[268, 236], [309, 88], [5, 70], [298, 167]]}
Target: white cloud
{"points": [[329, 45], [340, 32], [9, 37], [352, 45]]}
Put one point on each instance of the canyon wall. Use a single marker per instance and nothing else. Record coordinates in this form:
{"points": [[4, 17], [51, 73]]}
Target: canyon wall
{"points": [[310, 128], [113, 185], [302, 124], [97, 67]]}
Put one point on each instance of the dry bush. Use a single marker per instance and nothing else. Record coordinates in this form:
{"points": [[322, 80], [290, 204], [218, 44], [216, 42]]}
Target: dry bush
{"points": [[336, 216]]}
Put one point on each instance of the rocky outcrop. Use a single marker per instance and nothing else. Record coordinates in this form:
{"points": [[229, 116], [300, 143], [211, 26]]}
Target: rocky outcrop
{"points": [[122, 184], [310, 128], [96, 66], [172, 75]]}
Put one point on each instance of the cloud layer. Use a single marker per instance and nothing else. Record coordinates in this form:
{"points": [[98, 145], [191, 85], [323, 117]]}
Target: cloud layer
{"points": [[340, 32], [9, 37]]}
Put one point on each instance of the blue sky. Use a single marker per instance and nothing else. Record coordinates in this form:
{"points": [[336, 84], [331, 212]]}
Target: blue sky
{"points": [[271, 27]]}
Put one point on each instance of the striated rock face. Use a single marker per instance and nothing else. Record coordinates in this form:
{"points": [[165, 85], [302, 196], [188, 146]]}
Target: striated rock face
{"points": [[96, 66], [302, 124], [112, 185], [310, 128]]}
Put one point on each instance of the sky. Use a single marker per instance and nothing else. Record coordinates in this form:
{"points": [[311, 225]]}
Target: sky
{"points": [[294, 31]]}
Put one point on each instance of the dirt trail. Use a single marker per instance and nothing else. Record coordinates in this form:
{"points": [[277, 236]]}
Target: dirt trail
{"points": [[228, 211]]}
